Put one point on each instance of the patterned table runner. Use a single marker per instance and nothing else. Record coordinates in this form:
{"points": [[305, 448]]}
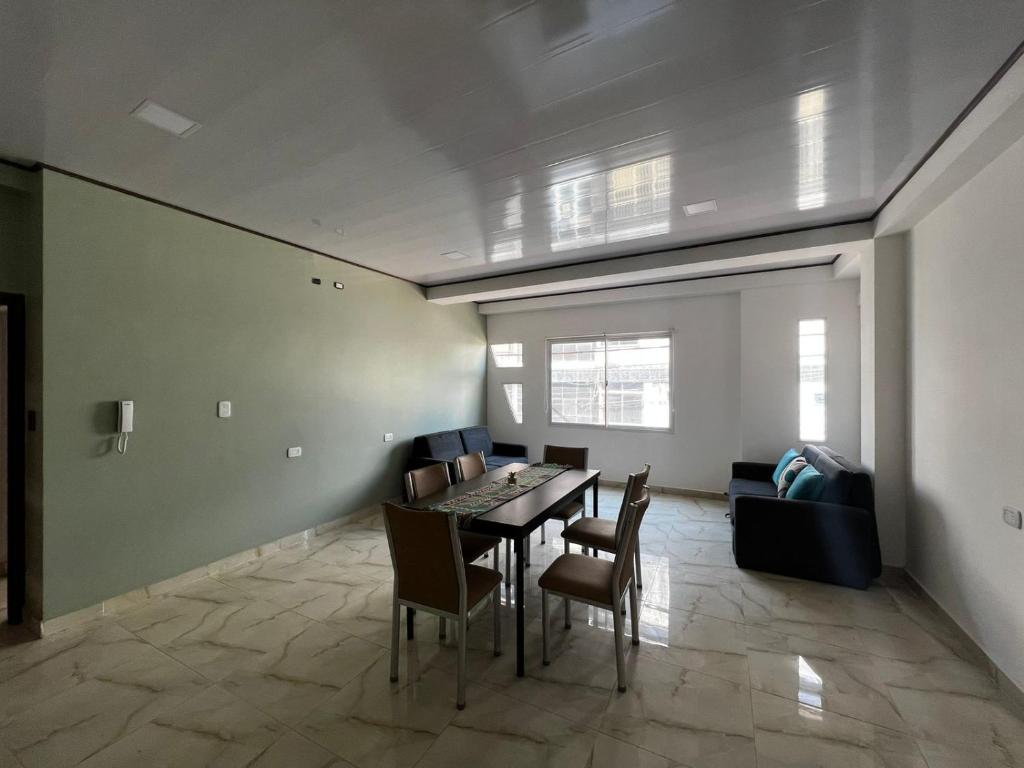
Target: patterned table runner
{"points": [[493, 495]]}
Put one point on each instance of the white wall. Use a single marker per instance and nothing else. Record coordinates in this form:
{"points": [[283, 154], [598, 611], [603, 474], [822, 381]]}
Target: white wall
{"points": [[966, 368], [714, 365], [769, 323]]}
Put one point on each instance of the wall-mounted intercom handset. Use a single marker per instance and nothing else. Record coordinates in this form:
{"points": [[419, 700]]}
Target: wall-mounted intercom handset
{"points": [[125, 423]]}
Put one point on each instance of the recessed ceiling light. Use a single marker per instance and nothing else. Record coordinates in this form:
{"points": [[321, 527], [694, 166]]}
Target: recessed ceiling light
{"points": [[165, 119], [695, 209], [454, 255]]}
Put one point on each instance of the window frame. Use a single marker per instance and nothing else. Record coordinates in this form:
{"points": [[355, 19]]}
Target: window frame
{"points": [[825, 356], [669, 334]]}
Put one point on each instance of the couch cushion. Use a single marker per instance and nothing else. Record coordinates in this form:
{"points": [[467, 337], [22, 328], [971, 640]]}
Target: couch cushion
{"points": [[477, 439], [789, 474], [787, 457], [740, 487], [444, 445], [838, 479], [493, 462]]}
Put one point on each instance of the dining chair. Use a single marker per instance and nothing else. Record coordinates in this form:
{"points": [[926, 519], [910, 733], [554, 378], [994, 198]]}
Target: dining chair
{"points": [[469, 466], [601, 583], [431, 575], [600, 534], [427, 481], [577, 459]]}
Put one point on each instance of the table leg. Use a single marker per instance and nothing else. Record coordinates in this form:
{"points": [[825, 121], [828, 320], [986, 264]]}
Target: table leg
{"points": [[520, 611], [595, 498]]}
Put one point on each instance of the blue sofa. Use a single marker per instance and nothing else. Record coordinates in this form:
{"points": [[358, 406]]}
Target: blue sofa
{"points": [[833, 539], [446, 446]]}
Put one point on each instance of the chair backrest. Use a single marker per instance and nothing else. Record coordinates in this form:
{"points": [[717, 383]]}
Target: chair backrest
{"points": [[635, 484], [471, 465], [426, 481], [625, 547], [426, 557], [560, 454]]}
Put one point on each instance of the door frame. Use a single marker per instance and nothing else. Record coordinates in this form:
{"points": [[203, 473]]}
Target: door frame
{"points": [[17, 449]]}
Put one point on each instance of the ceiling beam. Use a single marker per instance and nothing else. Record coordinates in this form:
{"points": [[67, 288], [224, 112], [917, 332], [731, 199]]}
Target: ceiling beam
{"points": [[806, 247]]}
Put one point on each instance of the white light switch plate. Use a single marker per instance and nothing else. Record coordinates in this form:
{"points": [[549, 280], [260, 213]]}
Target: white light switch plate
{"points": [[389, 436], [224, 409], [294, 453], [1012, 517]]}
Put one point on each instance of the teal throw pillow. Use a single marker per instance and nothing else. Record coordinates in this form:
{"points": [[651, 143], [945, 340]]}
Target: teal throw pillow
{"points": [[808, 486], [787, 457]]}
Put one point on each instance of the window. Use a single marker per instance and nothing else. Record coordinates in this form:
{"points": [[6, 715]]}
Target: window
{"points": [[514, 398], [612, 381], [508, 355], [812, 380]]}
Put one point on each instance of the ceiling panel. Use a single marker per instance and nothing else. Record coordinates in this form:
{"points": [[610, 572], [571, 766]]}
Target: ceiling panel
{"points": [[517, 134]]}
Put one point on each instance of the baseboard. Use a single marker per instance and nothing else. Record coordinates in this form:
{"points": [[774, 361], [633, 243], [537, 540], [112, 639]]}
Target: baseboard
{"points": [[1012, 692], [694, 492], [131, 599]]}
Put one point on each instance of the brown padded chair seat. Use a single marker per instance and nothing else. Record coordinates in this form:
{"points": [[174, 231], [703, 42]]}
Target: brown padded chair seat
{"points": [[476, 545], [574, 508], [588, 578], [480, 582], [592, 532]]}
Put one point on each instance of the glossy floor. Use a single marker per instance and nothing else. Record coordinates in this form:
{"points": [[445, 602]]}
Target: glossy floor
{"points": [[283, 662]]}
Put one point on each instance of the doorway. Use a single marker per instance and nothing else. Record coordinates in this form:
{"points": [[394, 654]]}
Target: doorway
{"points": [[12, 456]]}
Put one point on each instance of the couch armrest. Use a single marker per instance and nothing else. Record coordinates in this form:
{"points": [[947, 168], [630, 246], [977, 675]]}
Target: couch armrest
{"points": [[807, 539], [753, 470], [508, 449]]}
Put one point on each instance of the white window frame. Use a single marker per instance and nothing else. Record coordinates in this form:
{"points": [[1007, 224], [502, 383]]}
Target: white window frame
{"points": [[670, 335], [825, 355]]}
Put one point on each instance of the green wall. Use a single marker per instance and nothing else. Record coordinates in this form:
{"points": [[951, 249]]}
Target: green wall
{"points": [[176, 313]]}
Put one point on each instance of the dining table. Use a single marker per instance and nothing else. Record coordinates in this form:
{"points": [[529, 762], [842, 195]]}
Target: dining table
{"points": [[516, 519]]}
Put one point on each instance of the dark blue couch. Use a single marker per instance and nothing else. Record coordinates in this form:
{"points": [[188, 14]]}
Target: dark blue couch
{"points": [[834, 539], [446, 446]]}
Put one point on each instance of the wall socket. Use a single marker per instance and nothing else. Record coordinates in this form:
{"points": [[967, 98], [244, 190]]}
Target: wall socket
{"points": [[294, 453], [389, 436], [1012, 517], [224, 409]]}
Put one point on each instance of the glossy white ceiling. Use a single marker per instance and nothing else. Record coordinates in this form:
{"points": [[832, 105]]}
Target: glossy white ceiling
{"points": [[521, 134]]}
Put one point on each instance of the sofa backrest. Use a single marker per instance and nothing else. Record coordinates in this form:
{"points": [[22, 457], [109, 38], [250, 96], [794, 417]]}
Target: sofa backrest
{"points": [[477, 439], [439, 445], [846, 482]]}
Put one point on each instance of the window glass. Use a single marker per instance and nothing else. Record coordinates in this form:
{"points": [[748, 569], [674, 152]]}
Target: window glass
{"points": [[812, 394]]}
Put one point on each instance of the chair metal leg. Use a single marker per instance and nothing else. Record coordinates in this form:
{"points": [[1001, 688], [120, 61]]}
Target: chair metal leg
{"points": [[542, 541], [441, 628], [410, 623], [460, 701], [620, 654], [496, 599], [636, 559], [634, 613], [508, 562], [568, 613], [396, 621], [565, 541], [544, 625]]}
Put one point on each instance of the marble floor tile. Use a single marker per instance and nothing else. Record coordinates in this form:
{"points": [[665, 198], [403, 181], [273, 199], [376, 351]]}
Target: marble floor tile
{"points": [[373, 722], [293, 679], [284, 662], [686, 716], [790, 733], [499, 731]]}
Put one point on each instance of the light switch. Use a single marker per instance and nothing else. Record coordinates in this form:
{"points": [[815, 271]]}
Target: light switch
{"points": [[389, 436], [1012, 517], [294, 453], [224, 409]]}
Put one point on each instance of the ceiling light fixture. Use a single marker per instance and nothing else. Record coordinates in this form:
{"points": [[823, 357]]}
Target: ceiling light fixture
{"points": [[455, 255], [695, 209], [165, 119]]}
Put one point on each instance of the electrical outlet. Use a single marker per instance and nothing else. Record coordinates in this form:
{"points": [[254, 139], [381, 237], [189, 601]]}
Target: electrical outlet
{"points": [[1012, 517], [224, 409], [294, 453], [389, 436]]}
